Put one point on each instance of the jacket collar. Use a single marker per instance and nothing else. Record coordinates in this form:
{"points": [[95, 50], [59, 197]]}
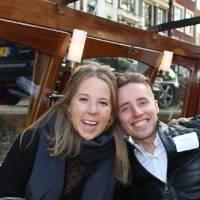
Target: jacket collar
{"points": [[46, 176]]}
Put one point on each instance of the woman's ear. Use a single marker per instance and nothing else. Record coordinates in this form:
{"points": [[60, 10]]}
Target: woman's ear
{"points": [[69, 108], [110, 122]]}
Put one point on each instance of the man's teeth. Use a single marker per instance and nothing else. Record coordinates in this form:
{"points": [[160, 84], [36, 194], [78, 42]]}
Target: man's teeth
{"points": [[90, 122], [140, 123]]}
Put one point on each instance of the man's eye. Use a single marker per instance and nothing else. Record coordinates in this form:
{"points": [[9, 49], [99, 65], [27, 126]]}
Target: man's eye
{"points": [[143, 102], [124, 109]]}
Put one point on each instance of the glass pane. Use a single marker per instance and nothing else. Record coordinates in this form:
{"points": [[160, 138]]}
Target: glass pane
{"points": [[21, 71], [178, 13], [109, 1], [147, 14], [40, 68], [128, 5], [161, 16], [16, 67], [170, 91], [121, 64], [91, 4]]}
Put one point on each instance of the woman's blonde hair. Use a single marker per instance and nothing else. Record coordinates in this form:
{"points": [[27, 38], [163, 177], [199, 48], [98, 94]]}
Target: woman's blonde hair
{"points": [[66, 142]]}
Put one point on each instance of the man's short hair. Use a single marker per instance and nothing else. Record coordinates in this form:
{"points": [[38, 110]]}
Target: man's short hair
{"points": [[125, 78]]}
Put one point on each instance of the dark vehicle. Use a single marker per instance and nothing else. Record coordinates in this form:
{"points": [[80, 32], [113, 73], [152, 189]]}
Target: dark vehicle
{"points": [[165, 89], [15, 61]]}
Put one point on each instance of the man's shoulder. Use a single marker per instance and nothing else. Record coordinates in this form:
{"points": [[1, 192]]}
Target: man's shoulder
{"points": [[179, 138], [193, 122], [176, 129]]}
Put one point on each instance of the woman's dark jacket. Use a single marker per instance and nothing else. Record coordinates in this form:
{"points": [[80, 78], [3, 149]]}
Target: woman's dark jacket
{"points": [[28, 170], [183, 172]]}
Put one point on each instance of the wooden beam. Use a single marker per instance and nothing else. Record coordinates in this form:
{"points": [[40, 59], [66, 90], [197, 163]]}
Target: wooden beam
{"points": [[39, 38], [192, 96], [44, 14], [99, 48], [62, 2]]}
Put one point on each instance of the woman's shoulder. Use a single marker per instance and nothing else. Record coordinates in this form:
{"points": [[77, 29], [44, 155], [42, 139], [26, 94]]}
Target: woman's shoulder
{"points": [[32, 135], [18, 164], [28, 139]]}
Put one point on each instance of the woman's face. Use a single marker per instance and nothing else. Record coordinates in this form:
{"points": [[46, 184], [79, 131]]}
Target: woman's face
{"points": [[91, 107]]}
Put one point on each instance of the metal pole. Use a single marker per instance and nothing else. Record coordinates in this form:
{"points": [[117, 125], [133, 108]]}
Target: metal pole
{"points": [[170, 16]]}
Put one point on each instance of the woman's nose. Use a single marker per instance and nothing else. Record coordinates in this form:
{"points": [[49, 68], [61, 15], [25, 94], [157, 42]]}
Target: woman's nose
{"points": [[92, 108]]}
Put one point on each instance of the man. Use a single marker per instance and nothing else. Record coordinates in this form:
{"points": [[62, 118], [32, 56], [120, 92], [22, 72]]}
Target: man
{"points": [[165, 160]]}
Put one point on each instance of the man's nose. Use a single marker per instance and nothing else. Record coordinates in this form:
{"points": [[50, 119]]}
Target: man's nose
{"points": [[136, 111]]}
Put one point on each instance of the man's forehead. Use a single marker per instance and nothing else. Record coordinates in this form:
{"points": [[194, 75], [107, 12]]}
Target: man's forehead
{"points": [[131, 87], [134, 90]]}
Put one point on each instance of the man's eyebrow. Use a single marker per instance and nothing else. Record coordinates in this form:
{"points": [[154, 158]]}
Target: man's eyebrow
{"points": [[142, 98], [123, 104]]}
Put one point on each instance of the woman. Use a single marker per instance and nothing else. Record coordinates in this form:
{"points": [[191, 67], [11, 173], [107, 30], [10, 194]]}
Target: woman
{"points": [[70, 153]]}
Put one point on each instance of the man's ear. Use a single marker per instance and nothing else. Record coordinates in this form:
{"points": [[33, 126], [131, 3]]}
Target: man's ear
{"points": [[156, 105]]}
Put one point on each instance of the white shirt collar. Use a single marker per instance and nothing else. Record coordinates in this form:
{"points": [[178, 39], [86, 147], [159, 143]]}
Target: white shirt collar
{"points": [[139, 147]]}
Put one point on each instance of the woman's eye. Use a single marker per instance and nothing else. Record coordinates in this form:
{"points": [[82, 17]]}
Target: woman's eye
{"points": [[103, 103], [83, 99]]}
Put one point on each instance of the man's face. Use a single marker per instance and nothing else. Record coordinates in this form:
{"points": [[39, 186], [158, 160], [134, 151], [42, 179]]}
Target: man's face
{"points": [[138, 111]]}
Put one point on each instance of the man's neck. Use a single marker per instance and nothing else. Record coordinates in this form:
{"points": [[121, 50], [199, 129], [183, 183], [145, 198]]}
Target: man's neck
{"points": [[148, 144]]}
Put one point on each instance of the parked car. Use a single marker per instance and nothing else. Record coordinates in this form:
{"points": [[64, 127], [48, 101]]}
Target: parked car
{"points": [[165, 87]]}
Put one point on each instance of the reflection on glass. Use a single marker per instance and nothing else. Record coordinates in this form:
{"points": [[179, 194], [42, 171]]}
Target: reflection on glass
{"points": [[16, 67], [40, 71], [11, 198], [121, 64], [170, 91], [21, 77], [15, 61]]}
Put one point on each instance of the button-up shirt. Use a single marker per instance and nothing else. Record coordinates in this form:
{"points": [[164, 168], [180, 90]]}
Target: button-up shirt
{"points": [[155, 163]]}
